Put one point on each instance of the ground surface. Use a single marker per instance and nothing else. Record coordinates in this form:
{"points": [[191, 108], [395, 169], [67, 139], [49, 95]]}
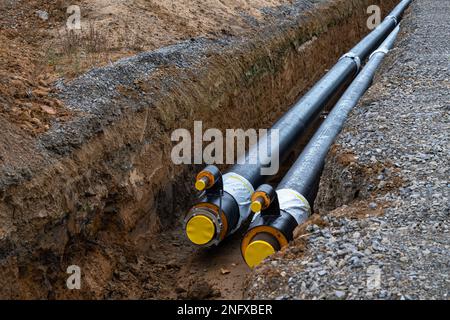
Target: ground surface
{"points": [[385, 194], [37, 49], [172, 268], [103, 189]]}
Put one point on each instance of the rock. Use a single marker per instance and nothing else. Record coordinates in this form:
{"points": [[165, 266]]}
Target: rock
{"points": [[322, 273], [224, 271], [314, 287], [48, 110], [339, 294], [377, 246], [355, 261], [43, 15], [199, 289]]}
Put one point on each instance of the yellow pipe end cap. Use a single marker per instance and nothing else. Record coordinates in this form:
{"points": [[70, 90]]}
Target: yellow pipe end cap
{"points": [[257, 251], [200, 185], [200, 230], [256, 206]]}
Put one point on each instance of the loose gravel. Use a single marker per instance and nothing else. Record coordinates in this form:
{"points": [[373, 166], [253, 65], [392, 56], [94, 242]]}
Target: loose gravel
{"points": [[397, 246]]}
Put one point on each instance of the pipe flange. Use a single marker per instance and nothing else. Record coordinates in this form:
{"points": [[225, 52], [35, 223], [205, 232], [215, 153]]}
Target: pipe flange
{"points": [[355, 59], [217, 221]]}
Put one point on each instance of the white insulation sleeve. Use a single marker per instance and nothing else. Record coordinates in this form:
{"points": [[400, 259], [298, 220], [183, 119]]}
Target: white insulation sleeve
{"points": [[241, 190], [295, 204]]}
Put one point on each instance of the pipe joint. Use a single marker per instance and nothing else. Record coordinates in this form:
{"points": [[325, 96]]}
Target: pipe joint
{"points": [[241, 190], [383, 51], [392, 17], [294, 204], [387, 45], [355, 59]]}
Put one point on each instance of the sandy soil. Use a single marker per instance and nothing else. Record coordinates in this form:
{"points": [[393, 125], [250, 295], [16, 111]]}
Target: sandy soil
{"points": [[35, 52], [177, 270], [153, 24]]}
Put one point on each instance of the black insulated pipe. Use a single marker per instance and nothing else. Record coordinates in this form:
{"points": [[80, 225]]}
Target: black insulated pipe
{"points": [[307, 169], [293, 124], [292, 207], [240, 180]]}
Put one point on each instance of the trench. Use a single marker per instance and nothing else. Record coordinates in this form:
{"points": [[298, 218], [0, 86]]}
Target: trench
{"points": [[115, 202]]}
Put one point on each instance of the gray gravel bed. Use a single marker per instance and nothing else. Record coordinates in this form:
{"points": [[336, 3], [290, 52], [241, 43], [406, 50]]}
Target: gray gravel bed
{"points": [[404, 120]]}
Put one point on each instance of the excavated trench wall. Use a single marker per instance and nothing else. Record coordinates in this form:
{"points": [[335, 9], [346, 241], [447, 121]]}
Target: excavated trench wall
{"points": [[106, 185]]}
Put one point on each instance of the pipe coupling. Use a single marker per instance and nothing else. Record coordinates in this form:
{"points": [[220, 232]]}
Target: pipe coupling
{"points": [[383, 51], [241, 190], [295, 204], [355, 59], [391, 17]]}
